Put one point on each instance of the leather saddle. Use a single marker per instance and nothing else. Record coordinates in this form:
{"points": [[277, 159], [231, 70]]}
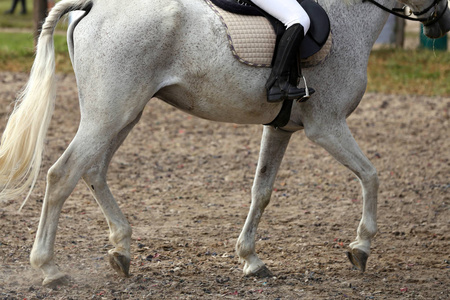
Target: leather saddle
{"points": [[314, 40]]}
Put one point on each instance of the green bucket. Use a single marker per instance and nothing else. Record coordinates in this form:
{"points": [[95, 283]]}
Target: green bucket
{"points": [[437, 44]]}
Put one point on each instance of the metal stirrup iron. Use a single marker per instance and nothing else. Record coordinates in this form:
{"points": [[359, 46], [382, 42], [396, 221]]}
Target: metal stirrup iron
{"points": [[300, 76], [307, 95]]}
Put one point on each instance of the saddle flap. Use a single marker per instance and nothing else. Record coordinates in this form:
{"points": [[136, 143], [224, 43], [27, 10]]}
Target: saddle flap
{"points": [[317, 34], [320, 23], [253, 39], [319, 30]]}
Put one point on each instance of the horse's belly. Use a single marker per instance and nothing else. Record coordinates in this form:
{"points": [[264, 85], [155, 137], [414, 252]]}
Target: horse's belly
{"points": [[213, 105]]}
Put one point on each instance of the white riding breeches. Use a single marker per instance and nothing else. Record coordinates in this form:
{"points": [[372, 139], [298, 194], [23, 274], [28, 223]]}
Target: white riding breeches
{"points": [[289, 12]]}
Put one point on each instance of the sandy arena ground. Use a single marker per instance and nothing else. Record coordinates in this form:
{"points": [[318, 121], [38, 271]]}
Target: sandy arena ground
{"points": [[184, 185]]}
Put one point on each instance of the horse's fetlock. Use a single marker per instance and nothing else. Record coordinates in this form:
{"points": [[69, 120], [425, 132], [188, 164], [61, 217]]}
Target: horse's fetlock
{"points": [[367, 232], [121, 235], [39, 258], [244, 249]]}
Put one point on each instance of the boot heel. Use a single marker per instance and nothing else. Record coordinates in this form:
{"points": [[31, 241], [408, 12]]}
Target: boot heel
{"points": [[275, 97]]}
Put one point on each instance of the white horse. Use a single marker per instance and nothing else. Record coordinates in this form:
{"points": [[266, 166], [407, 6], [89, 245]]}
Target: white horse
{"points": [[124, 54]]}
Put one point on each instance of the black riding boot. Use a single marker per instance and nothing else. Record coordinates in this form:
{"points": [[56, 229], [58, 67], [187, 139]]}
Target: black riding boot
{"points": [[278, 86]]}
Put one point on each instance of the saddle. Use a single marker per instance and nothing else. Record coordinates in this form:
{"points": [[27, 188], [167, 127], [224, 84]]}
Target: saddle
{"points": [[317, 37]]}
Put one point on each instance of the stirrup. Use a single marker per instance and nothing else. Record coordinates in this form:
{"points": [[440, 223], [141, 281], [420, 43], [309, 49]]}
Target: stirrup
{"points": [[308, 91]]}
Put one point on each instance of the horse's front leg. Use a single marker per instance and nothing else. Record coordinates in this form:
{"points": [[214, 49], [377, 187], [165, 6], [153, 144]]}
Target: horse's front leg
{"points": [[273, 146], [336, 138]]}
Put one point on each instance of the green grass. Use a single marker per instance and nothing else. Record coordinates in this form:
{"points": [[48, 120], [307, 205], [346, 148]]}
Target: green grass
{"points": [[16, 20], [17, 52], [16, 40], [19, 21], [422, 72]]}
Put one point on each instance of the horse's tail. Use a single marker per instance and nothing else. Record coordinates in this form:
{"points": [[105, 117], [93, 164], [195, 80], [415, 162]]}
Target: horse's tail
{"points": [[22, 142]]}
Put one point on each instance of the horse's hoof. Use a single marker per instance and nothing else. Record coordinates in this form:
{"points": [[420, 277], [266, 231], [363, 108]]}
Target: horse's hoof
{"points": [[57, 280], [358, 258], [120, 263], [262, 272]]}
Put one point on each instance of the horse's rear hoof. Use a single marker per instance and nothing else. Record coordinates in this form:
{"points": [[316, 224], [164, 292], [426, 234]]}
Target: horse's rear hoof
{"points": [[120, 263], [358, 258], [57, 280], [262, 272]]}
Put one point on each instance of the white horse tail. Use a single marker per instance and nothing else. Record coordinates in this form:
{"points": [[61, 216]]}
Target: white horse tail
{"points": [[22, 142]]}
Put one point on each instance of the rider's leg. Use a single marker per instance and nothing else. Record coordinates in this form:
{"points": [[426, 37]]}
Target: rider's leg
{"points": [[289, 12], [297, 22]]}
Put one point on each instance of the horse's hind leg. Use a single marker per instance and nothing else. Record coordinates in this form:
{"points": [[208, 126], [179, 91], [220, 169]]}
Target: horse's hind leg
{"points": [[120, 230], [273, 146], [337, 139], [93, 138], [58, 189], [61, 180]]}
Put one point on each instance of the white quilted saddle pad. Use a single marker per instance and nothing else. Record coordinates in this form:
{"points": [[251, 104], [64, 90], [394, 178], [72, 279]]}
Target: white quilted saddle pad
{"points": [[252, 39]]}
